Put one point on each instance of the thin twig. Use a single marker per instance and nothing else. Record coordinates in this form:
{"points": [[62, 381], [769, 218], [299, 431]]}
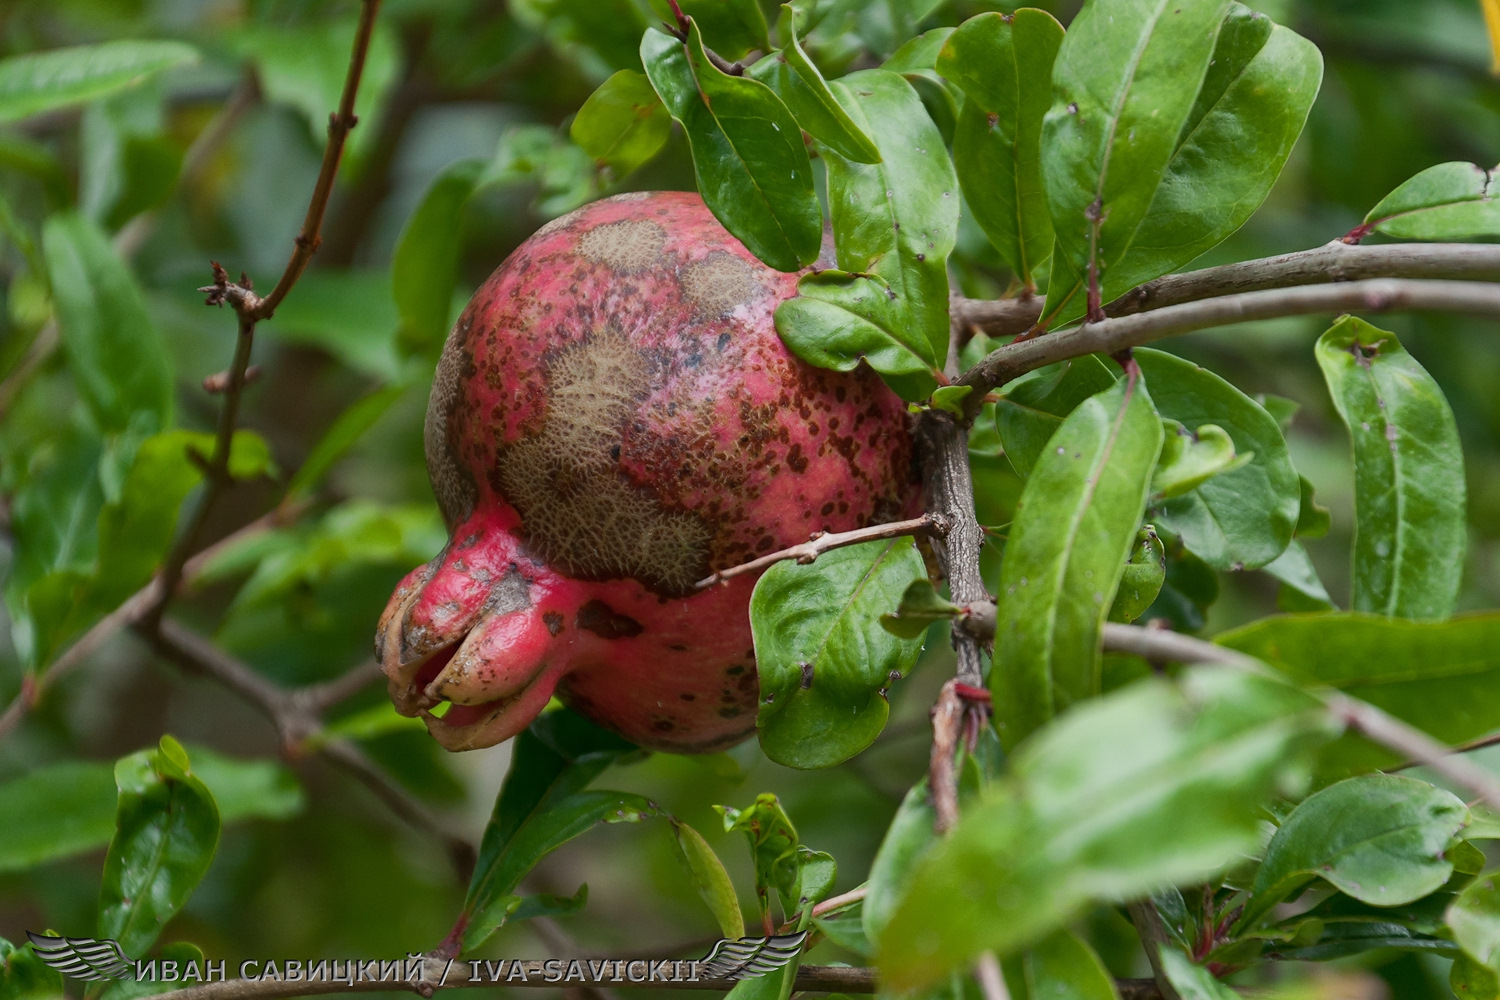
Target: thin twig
{"points": [[942, 782], [1375, 724], [318, 698], [1153, 935], [840, 902], [1480, 744], [991, 979], [1335, 261], [1112, 335], [823, 541]]}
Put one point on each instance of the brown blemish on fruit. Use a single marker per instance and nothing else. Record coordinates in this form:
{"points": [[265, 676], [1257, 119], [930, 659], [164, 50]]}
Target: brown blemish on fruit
{"points": [[553, 620], [718, 283], [578, 508], [607, 623], [451, 482], [626, 246]]}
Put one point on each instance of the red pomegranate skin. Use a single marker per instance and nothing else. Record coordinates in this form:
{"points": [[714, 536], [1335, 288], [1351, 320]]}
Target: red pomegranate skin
{"points": [[613, 419]]}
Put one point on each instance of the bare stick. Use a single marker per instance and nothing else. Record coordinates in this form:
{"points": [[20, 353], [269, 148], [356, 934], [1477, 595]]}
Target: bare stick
{"points": [[1484, 741], [808, 551], [1375, 724], [1335, 261], [991, 979], [942, 781], [840, 902], [1112, 335]]}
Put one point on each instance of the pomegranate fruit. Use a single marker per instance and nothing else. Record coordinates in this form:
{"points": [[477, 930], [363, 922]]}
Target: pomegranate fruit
{"points": [[613, 419]]}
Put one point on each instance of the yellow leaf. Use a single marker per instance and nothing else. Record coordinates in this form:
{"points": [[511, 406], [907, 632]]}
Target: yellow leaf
{"points": [[1492, 21]]}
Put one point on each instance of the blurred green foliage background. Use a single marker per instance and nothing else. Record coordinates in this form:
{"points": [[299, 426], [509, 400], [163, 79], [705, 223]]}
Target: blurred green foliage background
{"points": [[215, 160]]}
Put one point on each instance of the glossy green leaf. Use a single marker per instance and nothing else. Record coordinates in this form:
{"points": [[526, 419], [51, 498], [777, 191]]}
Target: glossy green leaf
{"points": [[1033, 407], [540, 158], [1190, 458], [350, 426], [1301, 587], [731, 28], [1472, 981], [798, 82], [920, 606], [1313, 519], [825, 663], [1451, 201], [24, 976], [1145, 572], [248, 788], [1076, 819], [1378, 838], [425, 267], [116, 357], [1003, 63], [752, 166], [709, 877], [1438, 676], [909, 837], [894, 225], [1074, 527], [1475, 921], [166, 830], [1254, 101], [1124, 84], [1193, 981], [1409, 484], [43, 81], [541, 806], [623, 123], [1244, 517]]}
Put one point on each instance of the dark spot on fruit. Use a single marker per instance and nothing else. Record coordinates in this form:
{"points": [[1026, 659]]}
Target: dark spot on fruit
{"points": [[688, 696], [554, 620], [729, 712], [723, 341], [663, 725], [607, 623], [679, 647], [735, 670]]}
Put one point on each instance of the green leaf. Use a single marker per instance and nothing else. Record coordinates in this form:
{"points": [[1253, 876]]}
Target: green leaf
{"points": [[1301, 587], [920, 606], [54, 811], [1472, 981], [1145, 572], [24, 976], [1076, 819], [1074, 528], [709, 878], [1062, 965], [115, 354], [541, 806], [425, 267], [1191, 458], [1438, 676], [43, 81], [166, 830], [797, 81], [909, 837], [1254, 101], [377, 720], [602, 35], [564, 175], [1003, 63], [1033, 407], [623, 123], [1378, 838], [894, 224], [731, 28], [1451, 201], [303, 65], [352, 315], [1313, 519], [1409, 485], [1242, 518], [747, 149], [825, 663], [773, 848], [1192, 981], [1475, 921], [248, 789], [350, 426], [1124, 83]]}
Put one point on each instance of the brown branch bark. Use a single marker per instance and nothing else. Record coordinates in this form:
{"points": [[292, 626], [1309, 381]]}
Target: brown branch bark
{"points": [[806, 552], [1112, 335], [1333, 262]]}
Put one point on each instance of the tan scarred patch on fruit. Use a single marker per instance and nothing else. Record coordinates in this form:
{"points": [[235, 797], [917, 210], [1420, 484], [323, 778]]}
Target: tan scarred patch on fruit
{"points": [[718, 283], [579, 510], [627, 246], [451, 483]]}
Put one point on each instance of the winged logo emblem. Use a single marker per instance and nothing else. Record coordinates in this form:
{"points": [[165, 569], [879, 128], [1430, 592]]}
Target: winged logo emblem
{"points": [[750, 958], [84, 958]]}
